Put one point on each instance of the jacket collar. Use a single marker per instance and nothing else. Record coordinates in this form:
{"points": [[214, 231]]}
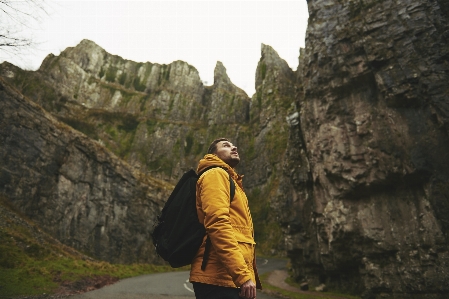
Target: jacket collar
{"points": [[213, 160]]}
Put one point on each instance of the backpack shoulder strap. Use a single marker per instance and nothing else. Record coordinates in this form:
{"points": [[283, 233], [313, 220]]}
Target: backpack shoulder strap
{"points": [[232, 187]]}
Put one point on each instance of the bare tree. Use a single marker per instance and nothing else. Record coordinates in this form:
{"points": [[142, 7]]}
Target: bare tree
{"points": [[18, 19]]}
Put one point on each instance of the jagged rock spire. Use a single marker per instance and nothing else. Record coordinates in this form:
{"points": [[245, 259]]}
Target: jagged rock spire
{"points": [[270, 59], [220, 74]]}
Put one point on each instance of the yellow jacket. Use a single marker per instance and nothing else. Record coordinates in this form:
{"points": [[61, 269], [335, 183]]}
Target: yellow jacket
{"points": [[229, 225]]}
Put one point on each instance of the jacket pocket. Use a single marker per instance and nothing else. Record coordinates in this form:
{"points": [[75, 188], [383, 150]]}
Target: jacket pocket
{"points": [[243, 234]]}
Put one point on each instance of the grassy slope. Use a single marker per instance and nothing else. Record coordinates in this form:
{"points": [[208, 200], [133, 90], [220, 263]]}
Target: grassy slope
{"points": [[32, 262]]}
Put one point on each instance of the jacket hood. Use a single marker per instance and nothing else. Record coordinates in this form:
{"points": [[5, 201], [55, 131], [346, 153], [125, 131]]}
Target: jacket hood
{"points": [[213, 160]]}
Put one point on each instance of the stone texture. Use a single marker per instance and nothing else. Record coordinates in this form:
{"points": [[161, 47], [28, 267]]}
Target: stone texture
{"points": [[346, 159], [74, 188], [226, 97], [270, 104], [156, 117], [371, 214], [94, 78], [163, 127]]}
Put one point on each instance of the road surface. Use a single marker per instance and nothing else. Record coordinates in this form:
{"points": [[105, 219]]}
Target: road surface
{"points": [[170, 285]]}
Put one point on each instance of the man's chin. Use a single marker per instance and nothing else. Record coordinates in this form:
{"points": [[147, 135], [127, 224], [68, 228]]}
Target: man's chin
{"points": [[234, 162]]}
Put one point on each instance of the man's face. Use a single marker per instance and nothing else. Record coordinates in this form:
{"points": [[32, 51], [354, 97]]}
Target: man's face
{"points": [[227, 152]]}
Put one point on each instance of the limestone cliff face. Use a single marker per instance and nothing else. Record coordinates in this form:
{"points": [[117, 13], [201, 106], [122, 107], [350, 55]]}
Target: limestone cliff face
{"points": [[224, 98], [94, 78], [273, 100], [347, 157], [374, 121], [156, 117], [262, 145], [74, 188], [163, 124]]}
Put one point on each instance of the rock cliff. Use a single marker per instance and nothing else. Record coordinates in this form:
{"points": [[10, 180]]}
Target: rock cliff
{"points": [[346, 159], [74, 188], [145, 113], [163, 125], [371, 216]]}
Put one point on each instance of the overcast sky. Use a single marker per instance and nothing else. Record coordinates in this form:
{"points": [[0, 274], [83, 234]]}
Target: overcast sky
{"points": [[198, 32]]}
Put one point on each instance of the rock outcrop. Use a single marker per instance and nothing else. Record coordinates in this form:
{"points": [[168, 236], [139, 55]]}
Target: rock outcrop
{"points": [[163, 124], [372, 214], [73, 187], [146, 113], [346, 160], [262, 145]]}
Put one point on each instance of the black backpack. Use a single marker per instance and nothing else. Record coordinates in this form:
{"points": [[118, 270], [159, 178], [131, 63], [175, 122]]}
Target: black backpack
{"points": [[178, 234]]}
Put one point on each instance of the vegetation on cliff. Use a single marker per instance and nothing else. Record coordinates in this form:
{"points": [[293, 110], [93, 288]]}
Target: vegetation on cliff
{"points": [[33, 263], [347, 157], [164, 129]]}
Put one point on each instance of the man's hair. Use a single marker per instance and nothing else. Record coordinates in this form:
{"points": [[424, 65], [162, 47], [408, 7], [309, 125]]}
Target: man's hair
{"points": [[213, 146]]}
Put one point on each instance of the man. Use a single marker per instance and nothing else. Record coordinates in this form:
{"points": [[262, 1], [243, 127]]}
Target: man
{"points": [[231, 271]]}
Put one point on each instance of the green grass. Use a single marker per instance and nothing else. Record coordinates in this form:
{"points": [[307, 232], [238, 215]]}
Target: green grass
{"points": [[37, 276], [32, 263]]}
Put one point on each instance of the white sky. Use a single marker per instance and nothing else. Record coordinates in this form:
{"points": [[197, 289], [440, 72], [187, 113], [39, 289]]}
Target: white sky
{"points": [[198, 32]]}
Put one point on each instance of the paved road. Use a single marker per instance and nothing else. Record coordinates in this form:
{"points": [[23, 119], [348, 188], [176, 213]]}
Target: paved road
{"points": [[171, 285]]}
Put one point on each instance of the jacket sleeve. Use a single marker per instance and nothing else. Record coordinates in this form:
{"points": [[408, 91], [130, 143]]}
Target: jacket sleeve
{"points": [[215, 201]]}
